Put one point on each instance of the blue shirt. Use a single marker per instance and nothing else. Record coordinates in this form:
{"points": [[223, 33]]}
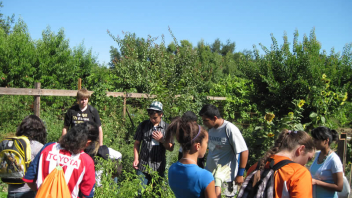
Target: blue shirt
{"points": [[188, 180]]}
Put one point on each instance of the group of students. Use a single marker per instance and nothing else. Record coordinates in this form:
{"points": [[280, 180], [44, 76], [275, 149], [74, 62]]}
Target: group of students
{"points": [[228, 154], [222, 142], [75, 152]]}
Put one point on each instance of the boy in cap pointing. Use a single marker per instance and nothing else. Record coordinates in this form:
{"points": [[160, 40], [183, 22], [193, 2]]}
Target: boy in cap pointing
{"points": [[151, 134]]}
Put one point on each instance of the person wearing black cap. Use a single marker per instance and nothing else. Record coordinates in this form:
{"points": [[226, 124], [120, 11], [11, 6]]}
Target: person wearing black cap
{"points": [[150, 145]]}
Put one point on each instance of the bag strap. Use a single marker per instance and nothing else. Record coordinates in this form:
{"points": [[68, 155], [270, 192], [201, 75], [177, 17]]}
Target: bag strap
{"points": [[91, 109]]}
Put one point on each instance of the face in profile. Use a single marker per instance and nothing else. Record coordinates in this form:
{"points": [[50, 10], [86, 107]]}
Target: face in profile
{"points": [[210, 123], [304, 158], [203, 146]]}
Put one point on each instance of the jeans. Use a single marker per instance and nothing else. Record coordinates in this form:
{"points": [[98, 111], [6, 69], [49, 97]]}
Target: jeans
{"points": [[146, 179], [28, 194]]}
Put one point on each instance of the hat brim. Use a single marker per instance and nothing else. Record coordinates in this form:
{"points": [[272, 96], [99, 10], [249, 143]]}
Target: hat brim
{"points": [[154, 108]]}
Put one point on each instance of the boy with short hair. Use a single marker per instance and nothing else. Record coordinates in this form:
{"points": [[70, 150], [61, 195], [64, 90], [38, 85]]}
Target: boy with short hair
{"points": [[82, 112], [151, 134], [226, 147]]}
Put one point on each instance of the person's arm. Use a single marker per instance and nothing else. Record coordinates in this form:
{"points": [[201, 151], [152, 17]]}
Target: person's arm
{"points": [[241, 168], [33, 186], [64, 130], [136, 154], [336, 186], [212, 191], [100, 136]]}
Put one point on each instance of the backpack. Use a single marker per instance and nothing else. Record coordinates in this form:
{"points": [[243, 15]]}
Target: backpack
{"points": [[54, 185], [15, 156], [266, 185]]}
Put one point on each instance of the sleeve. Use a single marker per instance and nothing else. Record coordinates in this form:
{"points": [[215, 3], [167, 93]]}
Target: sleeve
{"points": [[32, 171], [68, 117], [88, 181], [96, 117], [207, 177], [113, 154], [139, 133], [237, 139], [336, 165], [301, 184]]}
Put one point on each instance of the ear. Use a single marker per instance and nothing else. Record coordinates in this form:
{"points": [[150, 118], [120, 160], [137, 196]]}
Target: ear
{"points": [[197, 146], [88, 142], [300, 150]]}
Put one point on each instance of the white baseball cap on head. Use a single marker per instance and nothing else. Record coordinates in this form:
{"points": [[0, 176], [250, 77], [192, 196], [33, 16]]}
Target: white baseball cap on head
{"points": [[157, 106]]}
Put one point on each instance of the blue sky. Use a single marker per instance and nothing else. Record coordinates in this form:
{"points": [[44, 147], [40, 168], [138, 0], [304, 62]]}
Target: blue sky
{"points": [[244, 22]]}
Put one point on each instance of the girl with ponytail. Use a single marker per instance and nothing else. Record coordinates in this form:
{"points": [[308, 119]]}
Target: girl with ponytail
{"points": [[326, 170], [292, 180], [186, 179]]}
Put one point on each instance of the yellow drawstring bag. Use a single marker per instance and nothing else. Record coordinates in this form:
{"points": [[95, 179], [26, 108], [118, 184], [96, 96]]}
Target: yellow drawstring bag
{"points": [[54, 185]]}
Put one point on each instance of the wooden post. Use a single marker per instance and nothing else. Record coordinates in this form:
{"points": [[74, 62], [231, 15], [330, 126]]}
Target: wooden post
{"points": [[124, 104], [79, 83], [36, 106], [341, 149]]}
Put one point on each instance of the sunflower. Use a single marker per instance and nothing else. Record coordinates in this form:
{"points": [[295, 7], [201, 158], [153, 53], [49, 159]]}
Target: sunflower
{"points": [[323, 93], [270, 135], [301, 103], [269, 117], [327, 81], [324, 76], [290, 114]]}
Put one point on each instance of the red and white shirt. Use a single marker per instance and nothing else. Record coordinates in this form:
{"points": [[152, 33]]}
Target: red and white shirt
{"points": [[78, 168]]}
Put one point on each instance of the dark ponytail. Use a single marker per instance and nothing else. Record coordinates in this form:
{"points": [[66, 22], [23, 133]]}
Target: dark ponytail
{"points": [[186, 132], [324, 133]]}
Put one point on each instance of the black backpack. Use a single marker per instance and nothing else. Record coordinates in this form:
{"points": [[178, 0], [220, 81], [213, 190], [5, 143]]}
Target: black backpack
{"points": [[265, 187]]}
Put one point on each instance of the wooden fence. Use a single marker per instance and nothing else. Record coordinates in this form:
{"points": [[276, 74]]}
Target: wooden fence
{"points": [[37, 92]]}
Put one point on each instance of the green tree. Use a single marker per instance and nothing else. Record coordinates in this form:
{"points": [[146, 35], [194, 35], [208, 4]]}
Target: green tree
{"points": [[5, 22]]}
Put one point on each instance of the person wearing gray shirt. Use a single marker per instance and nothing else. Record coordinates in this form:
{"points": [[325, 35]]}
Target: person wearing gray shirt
{"points": [[226, 147]]}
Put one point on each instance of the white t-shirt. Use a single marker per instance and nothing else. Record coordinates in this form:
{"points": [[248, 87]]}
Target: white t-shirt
{"points": [[323, 172], [220, 149]]}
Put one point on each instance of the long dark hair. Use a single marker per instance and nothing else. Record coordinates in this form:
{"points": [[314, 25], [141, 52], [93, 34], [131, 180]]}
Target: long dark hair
{"points": [[288, 140], [324, 133], [33, 128], [186, 132], [76, 138]]}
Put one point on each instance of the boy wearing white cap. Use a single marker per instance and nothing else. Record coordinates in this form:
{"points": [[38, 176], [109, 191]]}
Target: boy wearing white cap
{"points": [[151, 135]]}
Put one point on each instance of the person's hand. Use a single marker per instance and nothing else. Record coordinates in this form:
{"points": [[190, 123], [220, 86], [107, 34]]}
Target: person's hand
{"points": [[239, 180], [158, 136], [221, 173], [314, 182], [135, 164]]}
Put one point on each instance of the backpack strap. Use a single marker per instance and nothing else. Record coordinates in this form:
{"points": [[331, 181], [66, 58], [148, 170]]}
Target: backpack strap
{"points": [[228, 138], [280, 164], [91, 109]]}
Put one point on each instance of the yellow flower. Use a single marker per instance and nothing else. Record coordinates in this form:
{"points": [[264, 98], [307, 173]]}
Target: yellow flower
{"points": [[269, 117], [301, 103], [328, 93], [327, 86], [323, 93], [345, 98], [290, 114], [270, 135], [304, 126], [318, 118], [342, 103], [324, 76], [327, 81]]}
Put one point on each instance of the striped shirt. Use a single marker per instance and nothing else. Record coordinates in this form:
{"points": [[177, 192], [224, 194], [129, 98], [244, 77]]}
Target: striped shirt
{"points": [[151, 154], [78, 168]]}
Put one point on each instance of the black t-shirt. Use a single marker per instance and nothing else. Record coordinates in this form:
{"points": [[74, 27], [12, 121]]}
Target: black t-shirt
{"points": [[75, 116]]}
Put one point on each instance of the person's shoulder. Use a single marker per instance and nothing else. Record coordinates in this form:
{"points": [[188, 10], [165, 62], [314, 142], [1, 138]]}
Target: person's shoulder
{"points": [[87, 159], [35, 143], [230, 125], [163, 124], [144, 123]]}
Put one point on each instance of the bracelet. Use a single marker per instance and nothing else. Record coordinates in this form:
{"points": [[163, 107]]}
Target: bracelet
{"points": [[240, 171]]}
